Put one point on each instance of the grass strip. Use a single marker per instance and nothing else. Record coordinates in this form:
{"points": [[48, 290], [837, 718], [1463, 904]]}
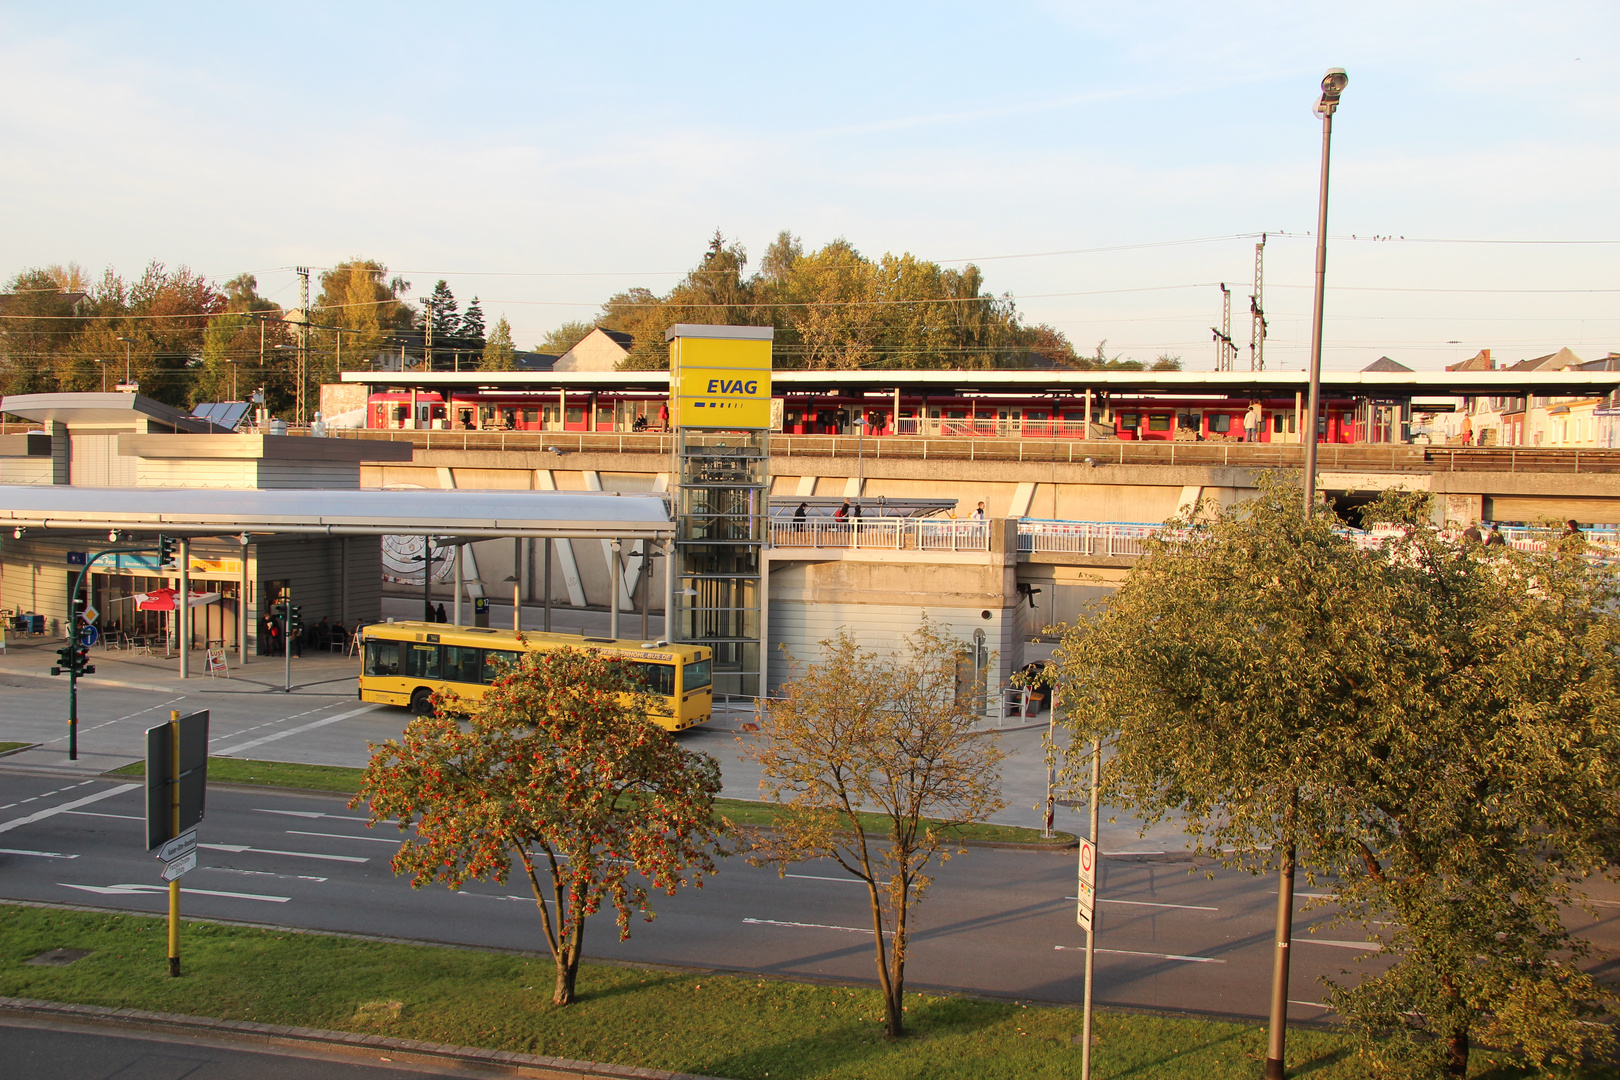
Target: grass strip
{"points": [[230, 770], [8, 747], [719, 1025]]}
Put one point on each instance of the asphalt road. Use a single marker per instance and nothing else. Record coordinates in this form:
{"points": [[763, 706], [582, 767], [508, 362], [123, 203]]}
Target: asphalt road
{"points": [[48, 1050], [1000, 922]]}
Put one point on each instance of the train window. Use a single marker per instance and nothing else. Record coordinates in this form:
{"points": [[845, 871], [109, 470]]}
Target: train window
{"points": [[1276, 423], [1220, 422], [576, 414], [1130, 421], [1159, 422], [531, 416], [1187, 421]]}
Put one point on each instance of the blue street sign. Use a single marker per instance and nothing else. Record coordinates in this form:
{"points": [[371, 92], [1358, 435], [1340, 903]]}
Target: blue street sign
{"points": [[76, 558]]}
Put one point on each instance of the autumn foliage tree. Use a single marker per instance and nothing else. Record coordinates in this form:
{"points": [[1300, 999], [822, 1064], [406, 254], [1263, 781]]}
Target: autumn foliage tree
{"points": [[556, 771], [875, 759]]}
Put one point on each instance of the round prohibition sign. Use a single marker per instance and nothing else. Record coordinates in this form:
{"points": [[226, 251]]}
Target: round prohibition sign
{"points": [[1087, 853]]}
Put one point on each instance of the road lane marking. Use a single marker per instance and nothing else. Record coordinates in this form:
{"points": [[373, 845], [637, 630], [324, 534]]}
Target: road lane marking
{"points": [[841, 880], [811, 926], [492, 896], [96, 727], [1149, 903], [1365, 946], [93, 813], [1154, 955], [321, 814], [341, 836], [1312, 1004], [40, 815], [261, 740], [236, 849], [39, 854], [262, 873], [1122, 854], [147, 890]]}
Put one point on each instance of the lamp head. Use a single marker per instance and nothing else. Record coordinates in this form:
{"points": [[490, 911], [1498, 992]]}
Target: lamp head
{"points": [[1333, 84]]}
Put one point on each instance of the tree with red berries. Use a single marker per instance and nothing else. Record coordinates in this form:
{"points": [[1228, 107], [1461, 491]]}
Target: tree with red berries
{"points": [[556, 771]]}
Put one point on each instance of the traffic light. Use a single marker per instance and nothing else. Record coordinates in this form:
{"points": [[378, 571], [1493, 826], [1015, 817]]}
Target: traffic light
{"points": [[64, 660], [295, 620], [81, 660], [279, 612], [166, 553]]}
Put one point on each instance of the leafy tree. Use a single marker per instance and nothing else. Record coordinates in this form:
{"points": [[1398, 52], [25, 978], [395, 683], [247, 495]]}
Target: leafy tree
{"points": [[1166, 362], [498, 352], [40, 324], [472, 324], [565, 337], [1430, 731], [558, 769], [888, 734], [360, 298]]}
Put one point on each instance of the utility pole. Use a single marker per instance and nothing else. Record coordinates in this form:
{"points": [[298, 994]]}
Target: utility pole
{"points": [[303, 339], [427, 324], [1257, 310], [1224, 349]]}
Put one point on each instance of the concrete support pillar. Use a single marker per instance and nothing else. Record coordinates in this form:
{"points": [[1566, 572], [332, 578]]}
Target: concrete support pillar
{"points": [[455, 618], [615, 579]]}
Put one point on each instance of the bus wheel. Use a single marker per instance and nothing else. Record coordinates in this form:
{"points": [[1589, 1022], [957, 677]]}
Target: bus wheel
{"points": [[422, 701]]}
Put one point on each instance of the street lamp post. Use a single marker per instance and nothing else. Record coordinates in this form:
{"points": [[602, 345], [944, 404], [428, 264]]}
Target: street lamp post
{"points": [[860, 456], [101, 363], [1333, 84], [127, 343]]}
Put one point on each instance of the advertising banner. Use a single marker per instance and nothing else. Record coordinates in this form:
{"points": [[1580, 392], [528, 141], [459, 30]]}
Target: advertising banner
{"points": [[720, 376]]}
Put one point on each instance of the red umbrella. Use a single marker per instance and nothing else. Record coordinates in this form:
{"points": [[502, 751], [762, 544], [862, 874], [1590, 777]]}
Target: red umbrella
{"points": [[158, 600]]}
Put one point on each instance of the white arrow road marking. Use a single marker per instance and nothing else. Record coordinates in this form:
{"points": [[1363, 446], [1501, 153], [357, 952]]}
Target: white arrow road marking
{"points": [[812, 926], [138, 890], [261, 740], [342, 836], [236, 849], [1154, 955], [1149, 903], [1365, 946], [41, 854], [40, 815], [319, 814]]}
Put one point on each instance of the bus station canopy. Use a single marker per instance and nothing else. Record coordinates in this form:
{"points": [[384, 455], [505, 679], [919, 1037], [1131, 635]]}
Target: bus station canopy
{"points": [[418, 512]]}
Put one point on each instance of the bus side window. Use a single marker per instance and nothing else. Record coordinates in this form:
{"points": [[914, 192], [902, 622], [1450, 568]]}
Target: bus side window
{"points": [[497, 662], [421, 661], [382, 658], [462, 663], [657, 678]]}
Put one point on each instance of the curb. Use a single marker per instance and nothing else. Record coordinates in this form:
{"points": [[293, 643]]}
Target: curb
{"points": [[54, 1010]]}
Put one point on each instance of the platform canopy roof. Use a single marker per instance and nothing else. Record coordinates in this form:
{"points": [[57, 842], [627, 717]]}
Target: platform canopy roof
{"points": [[193, 512], [1377, 384]]}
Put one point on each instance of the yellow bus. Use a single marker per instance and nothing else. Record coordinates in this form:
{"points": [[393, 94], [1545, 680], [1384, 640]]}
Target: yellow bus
{"points": [[405, 663]]}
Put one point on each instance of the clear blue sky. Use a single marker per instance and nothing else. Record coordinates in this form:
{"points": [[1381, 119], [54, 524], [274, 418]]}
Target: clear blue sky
{"points": [[544, 155]]}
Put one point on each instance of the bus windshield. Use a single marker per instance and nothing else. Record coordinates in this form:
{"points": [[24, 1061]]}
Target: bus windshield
{"points": [[699, 673]]}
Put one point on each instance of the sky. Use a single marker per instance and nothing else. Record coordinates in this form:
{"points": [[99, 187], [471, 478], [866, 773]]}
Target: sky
{"points": [[1106, 165]]}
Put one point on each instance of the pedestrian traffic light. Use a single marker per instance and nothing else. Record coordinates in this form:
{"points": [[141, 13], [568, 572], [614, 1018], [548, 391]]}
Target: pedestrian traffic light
{"points": [[166, 553], [295, 620]]}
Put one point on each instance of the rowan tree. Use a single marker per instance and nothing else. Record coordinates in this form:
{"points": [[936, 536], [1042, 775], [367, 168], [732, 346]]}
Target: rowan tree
{"points": [[890, 735], [557, 771], [1433, 730]]}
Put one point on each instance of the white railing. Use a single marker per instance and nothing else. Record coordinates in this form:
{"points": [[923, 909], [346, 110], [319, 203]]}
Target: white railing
{"points": [[892, 534], [1112, 538]]}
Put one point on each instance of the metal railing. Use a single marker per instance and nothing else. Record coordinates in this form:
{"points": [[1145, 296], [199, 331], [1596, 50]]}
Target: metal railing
{"points": [[884, 534], [1108, 538]]}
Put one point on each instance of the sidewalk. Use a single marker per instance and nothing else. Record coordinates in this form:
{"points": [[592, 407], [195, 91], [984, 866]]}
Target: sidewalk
{"points": [[314, 672]]}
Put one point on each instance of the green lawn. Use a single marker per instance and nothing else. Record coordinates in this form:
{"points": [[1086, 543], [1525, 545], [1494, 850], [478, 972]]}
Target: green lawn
{"points": [[8, 747], [346, 780], [718, 1025]]}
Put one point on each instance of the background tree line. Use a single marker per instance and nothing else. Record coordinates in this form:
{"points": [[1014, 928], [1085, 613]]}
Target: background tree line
{"points": [[188, 339], [837, 309]]}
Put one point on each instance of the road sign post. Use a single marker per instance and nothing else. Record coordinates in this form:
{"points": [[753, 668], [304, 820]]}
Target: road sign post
{"points": [[176, 793], [1088, 905]]}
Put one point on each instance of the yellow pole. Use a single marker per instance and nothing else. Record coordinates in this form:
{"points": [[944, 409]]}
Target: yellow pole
{"points": [[174, 830]]}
